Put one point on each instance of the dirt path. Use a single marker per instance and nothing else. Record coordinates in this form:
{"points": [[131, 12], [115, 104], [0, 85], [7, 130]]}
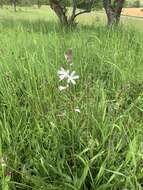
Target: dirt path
{"points": [[137, 12]]}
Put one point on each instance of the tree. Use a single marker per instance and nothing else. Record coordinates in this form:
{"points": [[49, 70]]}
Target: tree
{"points": [[113, 10], [39, 3], [136, 4], [1, 3], [14, 4], [60, 8]]}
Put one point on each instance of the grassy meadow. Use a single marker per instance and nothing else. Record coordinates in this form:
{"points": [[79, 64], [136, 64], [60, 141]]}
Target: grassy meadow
{"points": [[86, 137]]}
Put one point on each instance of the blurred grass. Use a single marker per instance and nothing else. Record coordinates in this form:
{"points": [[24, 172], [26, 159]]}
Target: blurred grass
{"points": [[47, 144]]}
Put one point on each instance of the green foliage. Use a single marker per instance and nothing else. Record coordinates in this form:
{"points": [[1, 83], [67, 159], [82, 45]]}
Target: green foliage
{"points": [[134, 3], [47, 144], [84, 4]]}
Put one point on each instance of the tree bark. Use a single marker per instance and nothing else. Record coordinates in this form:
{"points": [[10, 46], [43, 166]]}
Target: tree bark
{"points": [[39, 4], [14, 4], [120, 4], [113, 11], [60, 11], [1, 4], [72, 17]]}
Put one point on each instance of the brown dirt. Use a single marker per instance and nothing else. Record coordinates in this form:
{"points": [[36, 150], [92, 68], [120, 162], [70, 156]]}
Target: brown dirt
{"points": [[133, 12]]}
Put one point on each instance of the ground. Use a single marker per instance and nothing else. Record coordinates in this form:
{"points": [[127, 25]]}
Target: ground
{"points": [[138, 12]]}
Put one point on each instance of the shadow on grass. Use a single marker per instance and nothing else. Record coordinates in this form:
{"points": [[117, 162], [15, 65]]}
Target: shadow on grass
{"points": [[29, 26], [43, 26]]}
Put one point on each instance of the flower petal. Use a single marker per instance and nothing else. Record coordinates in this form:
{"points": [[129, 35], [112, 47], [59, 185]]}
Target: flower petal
{"points": [[77, 110]]}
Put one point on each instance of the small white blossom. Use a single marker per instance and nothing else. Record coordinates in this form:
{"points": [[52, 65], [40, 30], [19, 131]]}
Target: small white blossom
{"points": [[52, 123], [77, 110], [63, 87], [63, 74], [72, 77], [2, 162]]}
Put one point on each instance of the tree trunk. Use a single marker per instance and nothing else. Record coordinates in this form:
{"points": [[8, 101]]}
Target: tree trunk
{"points": [[113, 12], [60, 11], [120, 4], [39, 4], [72, 17], [1, 4], [14, 4]]}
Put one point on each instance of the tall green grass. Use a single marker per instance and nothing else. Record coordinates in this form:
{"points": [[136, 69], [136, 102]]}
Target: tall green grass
{"points": [[44, 143]]}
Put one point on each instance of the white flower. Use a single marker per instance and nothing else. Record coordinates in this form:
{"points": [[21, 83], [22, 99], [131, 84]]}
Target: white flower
{"points": [[63, 74], [52, 123], [71, 64], [2, 162], [63, 87], [77, 110], [72, 77]]}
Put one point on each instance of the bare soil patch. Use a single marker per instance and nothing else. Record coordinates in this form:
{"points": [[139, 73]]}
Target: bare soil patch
{"points": [[133, 12]]}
